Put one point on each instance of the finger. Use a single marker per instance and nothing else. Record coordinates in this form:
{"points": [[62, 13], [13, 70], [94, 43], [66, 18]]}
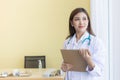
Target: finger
{"points": [[64, 68], [84, 53], [69, 66], [88, 52], [80, 52]]}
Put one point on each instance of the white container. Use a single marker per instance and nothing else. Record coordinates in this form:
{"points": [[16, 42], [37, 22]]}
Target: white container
{"points": [[40, 63], [16, 72]]}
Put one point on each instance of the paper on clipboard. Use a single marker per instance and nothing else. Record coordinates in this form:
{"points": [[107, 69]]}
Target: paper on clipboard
{"points": [[73, 57]]}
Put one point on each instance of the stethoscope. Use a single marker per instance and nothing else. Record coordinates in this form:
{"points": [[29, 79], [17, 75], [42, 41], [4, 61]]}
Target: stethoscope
{"points": [[88, 38]]}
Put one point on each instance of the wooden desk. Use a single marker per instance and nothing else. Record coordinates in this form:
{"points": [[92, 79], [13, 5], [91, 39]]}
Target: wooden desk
{"points": [[36, 74]]}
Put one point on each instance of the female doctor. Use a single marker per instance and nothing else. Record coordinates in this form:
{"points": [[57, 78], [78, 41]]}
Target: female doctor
{"points": [[90, 47]]}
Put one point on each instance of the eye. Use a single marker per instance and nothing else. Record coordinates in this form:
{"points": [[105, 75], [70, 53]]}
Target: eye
{"points": [[76, 19], [84, 18]]}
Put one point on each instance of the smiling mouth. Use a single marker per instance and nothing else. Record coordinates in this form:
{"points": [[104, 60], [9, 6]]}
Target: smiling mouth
{"points": [[81, 26]]}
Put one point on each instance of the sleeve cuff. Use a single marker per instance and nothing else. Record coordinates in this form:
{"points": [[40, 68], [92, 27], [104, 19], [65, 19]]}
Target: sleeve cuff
{"points": [[96, 71]]}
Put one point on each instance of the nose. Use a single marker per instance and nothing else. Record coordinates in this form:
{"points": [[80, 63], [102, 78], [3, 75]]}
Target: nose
{"points": [[80, 22]]}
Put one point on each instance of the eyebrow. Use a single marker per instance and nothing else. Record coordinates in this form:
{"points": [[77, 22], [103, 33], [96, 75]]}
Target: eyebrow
{"points": [[76, 17]]}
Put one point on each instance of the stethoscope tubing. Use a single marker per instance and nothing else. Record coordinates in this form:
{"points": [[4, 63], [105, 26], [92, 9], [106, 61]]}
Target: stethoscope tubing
{"points": [[88, 38]]}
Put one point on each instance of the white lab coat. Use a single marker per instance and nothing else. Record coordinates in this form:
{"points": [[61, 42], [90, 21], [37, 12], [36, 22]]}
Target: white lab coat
{"points": [[98, 56]]}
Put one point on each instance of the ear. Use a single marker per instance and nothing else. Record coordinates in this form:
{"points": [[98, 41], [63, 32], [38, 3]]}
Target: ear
{"points": [[71, 23]]}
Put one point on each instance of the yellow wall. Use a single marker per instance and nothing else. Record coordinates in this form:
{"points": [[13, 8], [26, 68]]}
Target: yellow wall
{"points": [[34, 27]]}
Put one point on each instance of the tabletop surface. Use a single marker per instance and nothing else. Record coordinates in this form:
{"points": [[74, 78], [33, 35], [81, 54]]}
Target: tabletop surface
{"points": [[30, 74]]}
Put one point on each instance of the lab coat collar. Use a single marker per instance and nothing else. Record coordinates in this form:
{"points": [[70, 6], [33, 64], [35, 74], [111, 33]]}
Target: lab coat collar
{"points": [[85, 35]]}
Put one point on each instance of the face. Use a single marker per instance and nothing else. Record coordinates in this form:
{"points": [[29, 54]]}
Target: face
{"points": [[80, 22]]}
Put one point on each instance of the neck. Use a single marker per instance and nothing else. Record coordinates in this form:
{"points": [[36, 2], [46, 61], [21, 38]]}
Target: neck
{"points": [[79, 35]]}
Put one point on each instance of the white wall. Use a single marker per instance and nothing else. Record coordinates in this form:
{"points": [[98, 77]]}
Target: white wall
{"points": [[105, 15], [99, 19], [115, 39]]}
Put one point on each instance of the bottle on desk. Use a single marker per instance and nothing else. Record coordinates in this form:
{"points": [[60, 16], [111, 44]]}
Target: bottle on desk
{"points": [[40, 64]]}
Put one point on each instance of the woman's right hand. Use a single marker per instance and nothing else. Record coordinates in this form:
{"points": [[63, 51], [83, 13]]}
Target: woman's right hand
{"points": [[66, 67]]}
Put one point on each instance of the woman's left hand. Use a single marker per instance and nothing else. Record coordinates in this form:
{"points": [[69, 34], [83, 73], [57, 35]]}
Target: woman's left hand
{"points": [[85, 53]]}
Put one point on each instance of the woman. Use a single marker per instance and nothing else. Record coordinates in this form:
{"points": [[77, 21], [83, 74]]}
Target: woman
{"points": [[91, 49]]}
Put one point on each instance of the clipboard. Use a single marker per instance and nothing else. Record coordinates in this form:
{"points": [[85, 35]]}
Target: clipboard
{"points": [[73, 57]]}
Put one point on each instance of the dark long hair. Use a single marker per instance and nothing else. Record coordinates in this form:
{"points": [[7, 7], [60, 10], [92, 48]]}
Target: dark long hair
{"points": [[72, 29]]}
